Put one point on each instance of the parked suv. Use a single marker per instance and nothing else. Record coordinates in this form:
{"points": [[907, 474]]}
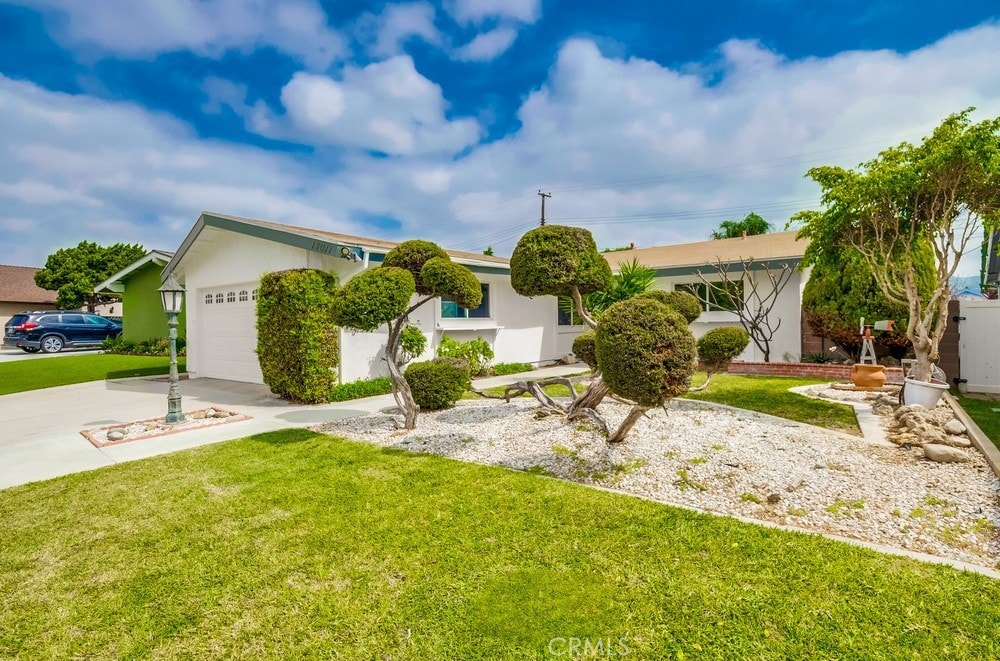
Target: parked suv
{"points": [[51, 330]]}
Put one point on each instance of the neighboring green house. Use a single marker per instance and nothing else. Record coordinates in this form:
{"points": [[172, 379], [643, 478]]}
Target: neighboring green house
{"points": [[138, 284]]}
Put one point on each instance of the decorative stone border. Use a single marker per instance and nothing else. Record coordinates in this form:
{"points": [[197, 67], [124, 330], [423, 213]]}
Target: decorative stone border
{"points": [[834, 372], [97, 436]]}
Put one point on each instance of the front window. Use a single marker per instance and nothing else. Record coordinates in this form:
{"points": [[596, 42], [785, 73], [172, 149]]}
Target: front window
{"points": [[452, 310], [566, 312], [718, 298]]}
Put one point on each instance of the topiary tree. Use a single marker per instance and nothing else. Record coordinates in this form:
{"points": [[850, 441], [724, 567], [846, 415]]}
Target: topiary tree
{"points": [[684, 302], [646, 353], [438, 383], [718, 347], [555, 260], [297, 342], [382, 296]]}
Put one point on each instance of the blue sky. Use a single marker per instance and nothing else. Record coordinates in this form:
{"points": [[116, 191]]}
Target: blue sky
{"points": [[649, 122]]}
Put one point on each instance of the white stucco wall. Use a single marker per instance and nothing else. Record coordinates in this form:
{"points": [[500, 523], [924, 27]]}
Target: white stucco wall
{"points": [[787, 309], [519, 329]]}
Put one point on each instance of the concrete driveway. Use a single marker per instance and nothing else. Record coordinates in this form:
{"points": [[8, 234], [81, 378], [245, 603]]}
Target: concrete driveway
{"points": [[40, 429]]}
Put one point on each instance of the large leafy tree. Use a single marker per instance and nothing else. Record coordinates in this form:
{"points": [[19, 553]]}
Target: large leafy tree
{"points": [[841, 291], [733, 229], [383, 295], [74, 272], [940, 193]]}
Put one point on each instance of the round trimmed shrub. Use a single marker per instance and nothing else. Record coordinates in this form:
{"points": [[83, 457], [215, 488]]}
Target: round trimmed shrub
{"points": [[719, 346], [443, 277], [412, 255], [438, 383], [551, 260], [584, 348], [412, 341], [645, 350], [373, 298], [684, 302]]}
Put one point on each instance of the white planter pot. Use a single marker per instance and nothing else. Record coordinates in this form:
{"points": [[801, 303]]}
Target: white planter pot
{"points": [[923, 393]]}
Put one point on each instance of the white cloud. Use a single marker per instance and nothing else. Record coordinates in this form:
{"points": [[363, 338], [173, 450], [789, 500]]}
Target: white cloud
{"points": [[609, 137], [486, 46], [207, 27], [386, 106], [476, 11], [397, 24]]}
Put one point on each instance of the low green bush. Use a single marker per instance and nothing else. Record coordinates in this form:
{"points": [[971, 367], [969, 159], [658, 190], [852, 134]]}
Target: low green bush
{"points": [[381, 385], [503, 369], [818, 358], [154, 346], [686, 303], [438, 383], [477, 353], [584, 348], [719, 346]]}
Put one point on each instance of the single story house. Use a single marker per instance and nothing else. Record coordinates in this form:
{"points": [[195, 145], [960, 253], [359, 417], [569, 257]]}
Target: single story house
{"points": [[221, 261], [677, 267], [141, 311], [18, 292]]}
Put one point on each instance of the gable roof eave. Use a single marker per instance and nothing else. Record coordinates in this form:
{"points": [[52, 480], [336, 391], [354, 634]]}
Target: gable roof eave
{"points": [[116, 285]]}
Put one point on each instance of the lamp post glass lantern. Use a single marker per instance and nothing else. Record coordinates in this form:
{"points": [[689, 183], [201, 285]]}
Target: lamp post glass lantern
{"points": [[172, 296]]}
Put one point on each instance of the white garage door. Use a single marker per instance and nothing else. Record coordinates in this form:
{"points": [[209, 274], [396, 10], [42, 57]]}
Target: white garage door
{"points": [[229, 333]]}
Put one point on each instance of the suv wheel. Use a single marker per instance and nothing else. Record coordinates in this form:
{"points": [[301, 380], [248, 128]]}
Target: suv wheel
{"points": [[52, 344]]}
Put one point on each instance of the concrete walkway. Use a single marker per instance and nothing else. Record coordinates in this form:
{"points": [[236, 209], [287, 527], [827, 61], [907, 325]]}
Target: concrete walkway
{"points": [[40, 429]]}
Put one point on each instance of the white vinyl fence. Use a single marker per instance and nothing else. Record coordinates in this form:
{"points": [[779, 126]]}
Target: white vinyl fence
{"points": [[979, 346]]}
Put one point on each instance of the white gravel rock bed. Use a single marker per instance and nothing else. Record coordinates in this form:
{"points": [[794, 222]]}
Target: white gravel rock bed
{"points": [[730, 462]]}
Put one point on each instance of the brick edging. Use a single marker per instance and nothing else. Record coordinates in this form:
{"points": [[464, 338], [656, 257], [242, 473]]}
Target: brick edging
{"points": [[835, 372]]}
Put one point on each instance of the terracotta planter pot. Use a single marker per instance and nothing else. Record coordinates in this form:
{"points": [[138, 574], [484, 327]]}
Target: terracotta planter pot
{"points": [[868, 376]]}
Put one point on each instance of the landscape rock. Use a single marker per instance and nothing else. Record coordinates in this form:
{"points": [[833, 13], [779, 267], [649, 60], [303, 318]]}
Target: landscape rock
{"points": [[909, 408], [956, 441], [116, 435], [209, 413], [944, 454], [954, 427]]}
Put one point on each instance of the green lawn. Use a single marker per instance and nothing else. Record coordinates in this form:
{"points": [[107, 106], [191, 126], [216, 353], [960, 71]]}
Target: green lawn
{"points": [[293, 544], [769, 394], [32, 374], [764, 394], [986, 413]]}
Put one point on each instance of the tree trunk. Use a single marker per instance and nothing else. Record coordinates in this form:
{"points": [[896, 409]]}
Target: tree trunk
{"points": [[633, 417], [401, 389], [708, 380], [589, 398]]}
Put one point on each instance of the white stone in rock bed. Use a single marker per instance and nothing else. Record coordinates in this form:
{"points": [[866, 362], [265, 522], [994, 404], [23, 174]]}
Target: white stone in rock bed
{"points": [[116, 435], [944, 454], [954, 427], [956, 441]]}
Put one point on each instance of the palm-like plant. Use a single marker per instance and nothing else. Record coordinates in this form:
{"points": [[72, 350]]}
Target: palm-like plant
{"points": [[632, 278]]}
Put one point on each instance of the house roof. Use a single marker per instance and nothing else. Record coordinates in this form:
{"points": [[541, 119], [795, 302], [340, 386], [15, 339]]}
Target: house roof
{"points": [[762, 248], [116, 283], [312, 239], [17, 285]]}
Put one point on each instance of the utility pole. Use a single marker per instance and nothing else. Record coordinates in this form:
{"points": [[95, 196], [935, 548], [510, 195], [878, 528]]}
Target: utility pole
{"points": [[543, 196]]}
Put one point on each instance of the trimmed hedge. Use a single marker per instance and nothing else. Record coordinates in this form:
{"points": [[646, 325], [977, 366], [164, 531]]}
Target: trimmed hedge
{"points": [[551, 260], [373, 298], [503, 369], [297, 341], [718, 347], [438, 383], [645, 350], [154, 346], [381, 385], [584, 348]]}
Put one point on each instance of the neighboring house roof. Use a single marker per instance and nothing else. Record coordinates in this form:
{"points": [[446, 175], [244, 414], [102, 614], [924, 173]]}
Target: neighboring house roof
{"points": [[17, 285], [329, 243], [116, 283], [766, 249]]}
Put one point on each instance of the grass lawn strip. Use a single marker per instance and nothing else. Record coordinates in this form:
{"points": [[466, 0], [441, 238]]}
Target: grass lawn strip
{"points": [[295, 544], [731, 462], [23, 375]]}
